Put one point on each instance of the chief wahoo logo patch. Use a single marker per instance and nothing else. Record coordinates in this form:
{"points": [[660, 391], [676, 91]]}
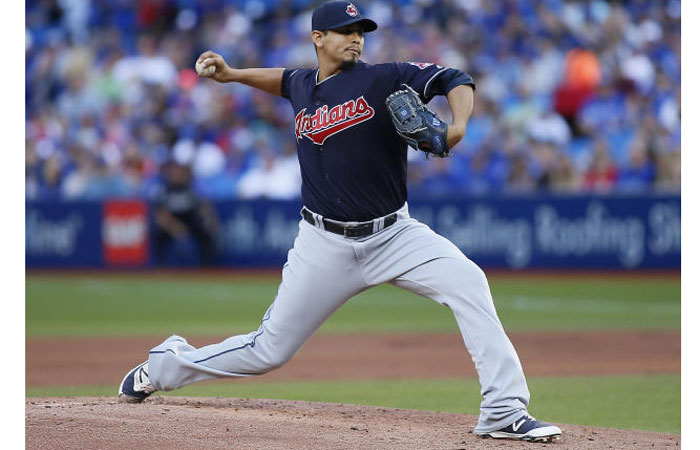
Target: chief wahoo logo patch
{"points": [[352, 10]]}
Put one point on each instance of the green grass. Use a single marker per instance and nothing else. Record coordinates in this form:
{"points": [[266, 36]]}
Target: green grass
{"points": [[99, 305], [642, 402], [188, 305]]}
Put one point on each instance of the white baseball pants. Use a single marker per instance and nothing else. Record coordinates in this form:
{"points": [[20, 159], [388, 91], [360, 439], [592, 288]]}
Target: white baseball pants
{"points": [[323, 271]]}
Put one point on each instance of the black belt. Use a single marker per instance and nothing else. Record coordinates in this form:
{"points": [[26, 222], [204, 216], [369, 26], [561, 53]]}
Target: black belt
{"points": [[361, 229]]}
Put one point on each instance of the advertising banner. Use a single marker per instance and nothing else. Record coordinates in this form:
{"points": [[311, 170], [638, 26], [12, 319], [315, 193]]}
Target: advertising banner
{"points": [[61, 234], [517, 232], [561, 232], [125, 232]]}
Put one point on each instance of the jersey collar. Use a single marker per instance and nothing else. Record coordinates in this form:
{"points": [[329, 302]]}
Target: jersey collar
{"points": [[327, 78], [359, 62]]}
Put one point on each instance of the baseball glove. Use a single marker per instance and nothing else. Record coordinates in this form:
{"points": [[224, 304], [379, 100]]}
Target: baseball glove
{"points": [[416, 124]]}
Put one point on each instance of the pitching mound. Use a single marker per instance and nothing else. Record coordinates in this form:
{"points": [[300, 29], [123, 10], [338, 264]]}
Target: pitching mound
{"points": [[218, 423]]}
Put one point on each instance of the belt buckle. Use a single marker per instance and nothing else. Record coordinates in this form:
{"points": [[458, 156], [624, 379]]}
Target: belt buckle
{"points": [[345, 231]]}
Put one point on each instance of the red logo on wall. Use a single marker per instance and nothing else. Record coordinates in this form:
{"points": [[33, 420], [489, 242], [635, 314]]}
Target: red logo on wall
{"points": [[125, 232]]}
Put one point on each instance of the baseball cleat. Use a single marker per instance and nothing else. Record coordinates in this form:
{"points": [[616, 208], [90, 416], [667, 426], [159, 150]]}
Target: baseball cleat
{"points": [[136, 385], [527, 428]]}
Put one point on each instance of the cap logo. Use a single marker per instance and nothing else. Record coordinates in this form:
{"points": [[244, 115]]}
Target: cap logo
{"points": [[351, 10]]}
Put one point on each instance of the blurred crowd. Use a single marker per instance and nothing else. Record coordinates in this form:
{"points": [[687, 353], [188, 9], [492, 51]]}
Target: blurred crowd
{"points": [[572, 96]]}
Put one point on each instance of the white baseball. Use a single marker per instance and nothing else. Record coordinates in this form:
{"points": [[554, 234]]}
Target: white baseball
{"points": [[204, 71]]}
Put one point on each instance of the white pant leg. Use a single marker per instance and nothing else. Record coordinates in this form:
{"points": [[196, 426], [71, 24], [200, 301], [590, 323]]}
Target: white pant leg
{"points": [[415, 258], [320, 275]]}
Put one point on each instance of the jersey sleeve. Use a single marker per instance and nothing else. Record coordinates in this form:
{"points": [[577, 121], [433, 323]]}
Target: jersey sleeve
{"points": [[286, 75], [429, 79], [450, 79]]}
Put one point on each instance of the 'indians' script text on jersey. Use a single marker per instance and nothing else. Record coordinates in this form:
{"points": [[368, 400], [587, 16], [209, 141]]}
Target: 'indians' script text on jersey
{"points": [[326, 122]]}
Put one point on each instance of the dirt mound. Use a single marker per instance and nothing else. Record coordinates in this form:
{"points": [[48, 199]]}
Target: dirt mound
{"points": [[217, 423]]}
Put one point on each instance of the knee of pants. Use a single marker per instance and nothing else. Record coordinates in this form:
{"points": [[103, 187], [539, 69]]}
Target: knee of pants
{"points": [[275, 363], [466, 281], [275, 356], [457, 273]]}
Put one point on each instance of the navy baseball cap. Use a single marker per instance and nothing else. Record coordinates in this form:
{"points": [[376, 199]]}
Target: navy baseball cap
{"points": [[338, 13]]}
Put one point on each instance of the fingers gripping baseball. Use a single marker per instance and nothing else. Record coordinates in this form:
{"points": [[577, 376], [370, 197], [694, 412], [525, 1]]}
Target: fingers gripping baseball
{"points": [[211, 65], [203, 70]]}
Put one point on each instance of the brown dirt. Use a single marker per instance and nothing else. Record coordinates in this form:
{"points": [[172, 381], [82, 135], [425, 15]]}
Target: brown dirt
{"points": [[103, 361], [188, 424], [215, 423]]}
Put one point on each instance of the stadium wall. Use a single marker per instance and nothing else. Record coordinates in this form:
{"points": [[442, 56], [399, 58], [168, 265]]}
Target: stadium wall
{"points": [[515, 232]]}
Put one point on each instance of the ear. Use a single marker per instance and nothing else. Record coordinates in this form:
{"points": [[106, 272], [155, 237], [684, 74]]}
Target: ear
{"points": [[316, 37]]}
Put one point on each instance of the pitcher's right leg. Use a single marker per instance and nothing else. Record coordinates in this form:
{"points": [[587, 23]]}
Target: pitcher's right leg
{"points": [[320, 275]]}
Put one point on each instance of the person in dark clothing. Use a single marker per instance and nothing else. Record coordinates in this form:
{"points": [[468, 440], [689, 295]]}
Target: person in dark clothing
{"points": [[182, 216]]}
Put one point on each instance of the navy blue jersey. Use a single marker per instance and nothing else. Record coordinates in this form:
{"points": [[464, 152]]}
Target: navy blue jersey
{"points": [[353, 163]]}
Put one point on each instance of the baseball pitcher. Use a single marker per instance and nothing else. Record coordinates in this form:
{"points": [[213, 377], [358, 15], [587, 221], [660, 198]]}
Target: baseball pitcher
{"points": [[353, 124]]}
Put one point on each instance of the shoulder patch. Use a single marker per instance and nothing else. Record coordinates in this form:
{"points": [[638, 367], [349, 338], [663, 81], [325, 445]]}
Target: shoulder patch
{"points": [[422, 66]]}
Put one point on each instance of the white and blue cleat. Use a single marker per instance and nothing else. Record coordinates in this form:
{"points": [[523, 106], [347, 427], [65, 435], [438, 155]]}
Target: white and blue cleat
{"points": [[527, 428], [136, 385]]}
